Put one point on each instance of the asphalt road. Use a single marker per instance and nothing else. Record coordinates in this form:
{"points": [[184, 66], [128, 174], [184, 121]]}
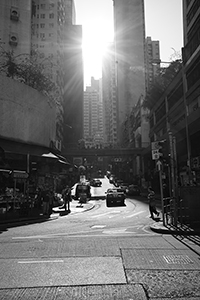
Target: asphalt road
{"points": [[103, 253]]}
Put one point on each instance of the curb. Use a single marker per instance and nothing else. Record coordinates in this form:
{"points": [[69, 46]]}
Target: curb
{"points": [[160, 228], [54, 216], [24, 221]]}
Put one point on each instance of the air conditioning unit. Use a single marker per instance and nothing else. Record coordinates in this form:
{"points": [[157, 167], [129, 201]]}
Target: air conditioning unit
{"points": [[14, 14], [13, 40], [58, 145]]}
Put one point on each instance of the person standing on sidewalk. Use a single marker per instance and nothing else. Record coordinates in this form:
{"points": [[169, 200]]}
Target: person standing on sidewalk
{"points": [[66, 193], [46, 199], [152, 203]]}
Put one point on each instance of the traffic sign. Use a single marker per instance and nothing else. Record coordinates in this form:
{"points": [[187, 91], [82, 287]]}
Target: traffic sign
{"points": [[155, 154], [159, 165]]}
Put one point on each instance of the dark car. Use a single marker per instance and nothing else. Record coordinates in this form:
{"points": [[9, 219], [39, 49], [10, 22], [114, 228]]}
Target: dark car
{"points": [[115, 196], [133, 190], [82, 192], [95, 182]]}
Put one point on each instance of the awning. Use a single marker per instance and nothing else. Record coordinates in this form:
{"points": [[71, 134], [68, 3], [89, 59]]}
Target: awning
{"points": [[16, 147], [50, 155], [60, 158]]}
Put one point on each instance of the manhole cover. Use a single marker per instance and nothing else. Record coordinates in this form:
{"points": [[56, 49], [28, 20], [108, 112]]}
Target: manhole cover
{"points": [[177, 259]]}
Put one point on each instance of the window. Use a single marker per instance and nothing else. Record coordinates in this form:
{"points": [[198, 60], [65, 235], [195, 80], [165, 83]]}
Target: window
{"points": [[51, 25], [42, 25], [51, 16], [50, 34], [51, 5], [43, 6], [42, 16], [42, 35]]}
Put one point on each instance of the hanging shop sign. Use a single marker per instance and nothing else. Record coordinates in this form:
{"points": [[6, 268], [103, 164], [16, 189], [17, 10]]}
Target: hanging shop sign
{"points": [[20, 175]]}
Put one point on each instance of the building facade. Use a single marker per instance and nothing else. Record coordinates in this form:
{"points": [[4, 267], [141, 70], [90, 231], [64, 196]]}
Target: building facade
{"points": [[58, 41], [177, 113], [93, 115], [109, 97], [15, 29], [129, 39], [152, 51]]}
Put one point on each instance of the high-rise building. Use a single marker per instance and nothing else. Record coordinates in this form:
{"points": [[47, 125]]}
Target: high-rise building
{"points": [[109, 97], [152, 61], [58, 40], [93, 115], [73, 86], [129, 38]]}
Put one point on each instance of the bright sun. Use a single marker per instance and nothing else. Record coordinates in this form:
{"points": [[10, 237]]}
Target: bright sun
{"points": [[95, 41]]}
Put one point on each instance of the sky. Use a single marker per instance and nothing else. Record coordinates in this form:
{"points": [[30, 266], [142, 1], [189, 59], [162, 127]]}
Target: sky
{"points": [[163, 22]]}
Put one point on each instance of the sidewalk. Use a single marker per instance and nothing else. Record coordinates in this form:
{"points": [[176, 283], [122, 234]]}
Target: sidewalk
{"points": [[170, 229], [75, 207]]}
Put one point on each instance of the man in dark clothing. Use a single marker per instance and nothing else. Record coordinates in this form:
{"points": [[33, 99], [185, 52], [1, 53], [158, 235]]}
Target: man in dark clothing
{"points": [[66, 194], [152, 203]]}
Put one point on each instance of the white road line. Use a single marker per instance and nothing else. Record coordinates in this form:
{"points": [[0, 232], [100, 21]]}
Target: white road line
{"points": [[40, 261], [107, 213], [135, 214]]}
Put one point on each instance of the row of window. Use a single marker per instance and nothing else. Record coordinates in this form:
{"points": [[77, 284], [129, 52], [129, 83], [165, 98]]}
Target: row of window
{"points": [[42, 25], [43, 6], [43, 16], [43, 35]]}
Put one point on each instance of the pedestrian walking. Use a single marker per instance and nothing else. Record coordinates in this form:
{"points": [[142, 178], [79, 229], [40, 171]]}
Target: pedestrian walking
{"points": [[152, 203]]}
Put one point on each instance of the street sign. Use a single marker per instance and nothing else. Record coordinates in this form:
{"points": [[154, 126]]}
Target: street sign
{"points": [[159, 165], [155, 154]]}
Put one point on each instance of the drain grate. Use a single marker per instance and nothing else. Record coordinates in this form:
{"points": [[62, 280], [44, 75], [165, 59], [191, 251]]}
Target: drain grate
{"points": [[177, 259]]}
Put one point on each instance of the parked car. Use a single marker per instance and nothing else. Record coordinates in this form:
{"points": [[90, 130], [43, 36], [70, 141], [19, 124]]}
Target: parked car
{"points": [[118, 182], [124, 187], [115, 196], [95, 182], [133, 190]]}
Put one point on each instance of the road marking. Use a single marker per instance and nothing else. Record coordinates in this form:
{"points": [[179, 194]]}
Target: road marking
{"points": [[98, 226], [107, 213], [135, 214], [40, 261]]}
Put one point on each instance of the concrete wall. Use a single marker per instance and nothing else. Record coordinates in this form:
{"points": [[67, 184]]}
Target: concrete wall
{"points": [[25, 114]]}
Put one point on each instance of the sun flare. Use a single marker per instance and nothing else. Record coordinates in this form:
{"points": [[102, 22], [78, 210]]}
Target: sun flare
{"points": [[95, 41]]}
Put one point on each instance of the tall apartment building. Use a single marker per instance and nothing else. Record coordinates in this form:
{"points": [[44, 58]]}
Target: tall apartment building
{"points": [[58, 40], [93, 115], [129, 38], [15, 29], [152, 52], [109, 97], [73, 86]]}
